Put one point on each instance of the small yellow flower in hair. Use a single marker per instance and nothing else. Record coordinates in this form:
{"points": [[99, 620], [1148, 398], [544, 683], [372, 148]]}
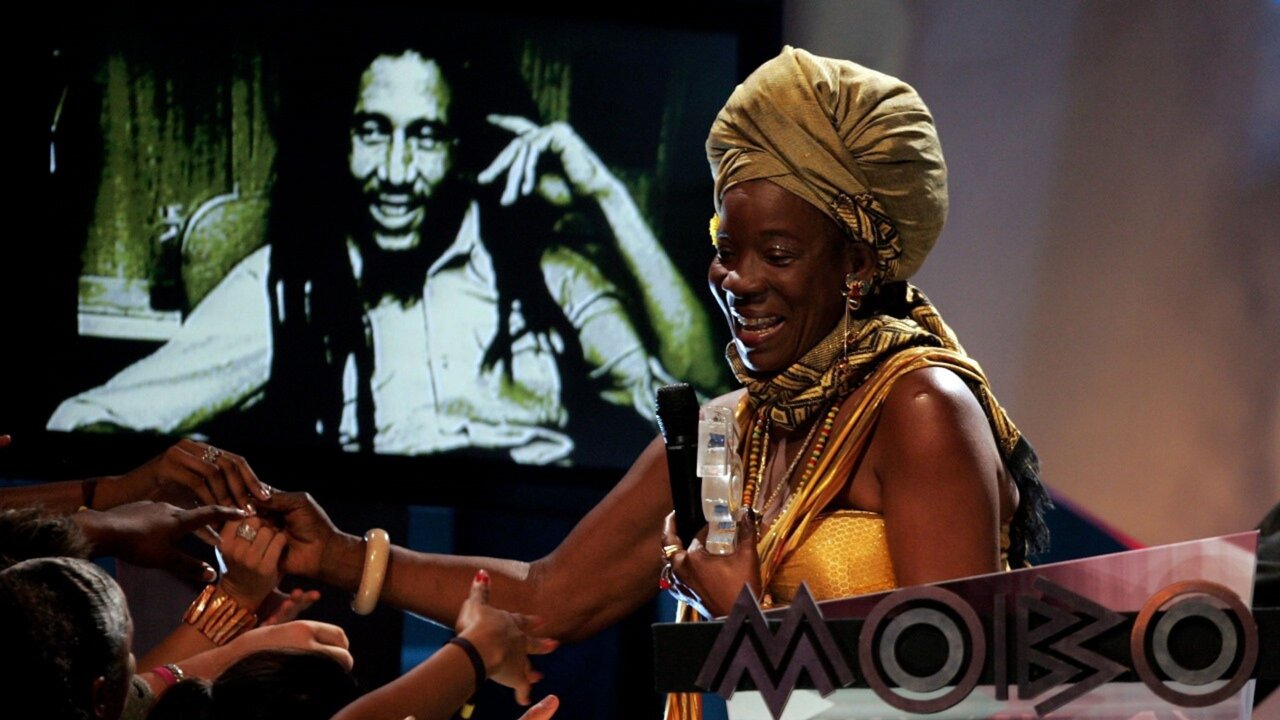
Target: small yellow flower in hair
{"points": [[715, 231]]}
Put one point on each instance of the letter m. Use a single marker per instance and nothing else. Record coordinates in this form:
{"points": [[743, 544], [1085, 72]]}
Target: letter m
{"points": [[746, 646]]}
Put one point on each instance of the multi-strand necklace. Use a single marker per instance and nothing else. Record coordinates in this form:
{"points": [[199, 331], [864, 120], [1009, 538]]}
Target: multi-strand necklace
{"points": [[757, 461]]}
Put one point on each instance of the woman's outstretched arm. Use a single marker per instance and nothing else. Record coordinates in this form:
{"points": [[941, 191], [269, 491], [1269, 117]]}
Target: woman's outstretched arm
{"points": [[606, 568]]}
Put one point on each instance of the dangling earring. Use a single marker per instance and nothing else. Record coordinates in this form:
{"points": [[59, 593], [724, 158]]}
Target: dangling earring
{"points": [[855, 288]]}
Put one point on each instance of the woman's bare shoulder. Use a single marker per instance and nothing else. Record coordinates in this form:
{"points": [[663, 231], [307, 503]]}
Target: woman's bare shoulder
{"points": [[932, 415], [931, 393]]}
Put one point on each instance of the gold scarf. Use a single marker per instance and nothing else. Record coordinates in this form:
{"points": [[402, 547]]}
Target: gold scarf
{"points": [[828, 372]]}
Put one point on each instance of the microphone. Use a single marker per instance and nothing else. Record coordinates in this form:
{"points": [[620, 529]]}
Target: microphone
{"points": [[677, 407]]}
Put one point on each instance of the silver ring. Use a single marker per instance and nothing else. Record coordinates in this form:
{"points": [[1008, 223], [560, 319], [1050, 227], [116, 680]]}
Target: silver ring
{"points": [[666, 579], [211, 454], [246, 532]]}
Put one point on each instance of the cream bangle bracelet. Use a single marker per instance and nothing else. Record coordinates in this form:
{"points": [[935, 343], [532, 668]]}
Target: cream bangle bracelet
{"points": [[377, 553]]}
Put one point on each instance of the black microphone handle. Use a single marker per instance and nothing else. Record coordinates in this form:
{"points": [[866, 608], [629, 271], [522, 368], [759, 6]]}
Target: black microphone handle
{"points": [[686, 487], [677, 413]]}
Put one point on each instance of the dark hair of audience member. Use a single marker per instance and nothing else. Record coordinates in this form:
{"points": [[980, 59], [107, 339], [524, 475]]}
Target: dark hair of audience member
{"points": [[32, 532], [267, 685], [67, 638]]}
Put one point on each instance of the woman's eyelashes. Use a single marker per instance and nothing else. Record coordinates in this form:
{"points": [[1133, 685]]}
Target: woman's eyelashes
{"points": [[780, 256]]}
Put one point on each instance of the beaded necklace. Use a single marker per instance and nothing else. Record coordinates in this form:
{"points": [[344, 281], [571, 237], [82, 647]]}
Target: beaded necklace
{"points": [[756, 460]]}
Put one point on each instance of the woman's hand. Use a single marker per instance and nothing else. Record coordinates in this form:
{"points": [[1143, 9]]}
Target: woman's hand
{"points": [[503, 639], [216, 476], [279, 608], [251, 550], [306, 635], [147, 534], [315, 543], [545, 708], [711, 583]]}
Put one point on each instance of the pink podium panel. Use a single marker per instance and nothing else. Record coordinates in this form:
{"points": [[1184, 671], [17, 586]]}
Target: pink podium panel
{"points": [[1163, 632]]}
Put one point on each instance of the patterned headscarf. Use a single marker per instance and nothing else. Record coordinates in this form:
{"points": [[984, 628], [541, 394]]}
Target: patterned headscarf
{"points": [[857, 144]]}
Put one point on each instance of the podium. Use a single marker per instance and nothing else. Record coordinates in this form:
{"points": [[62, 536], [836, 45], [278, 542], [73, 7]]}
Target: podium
{"points": [[1163, 632]]}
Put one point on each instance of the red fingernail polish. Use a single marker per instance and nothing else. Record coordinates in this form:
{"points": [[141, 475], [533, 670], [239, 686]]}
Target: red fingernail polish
{"points": [[482, 577], [663, 584]]}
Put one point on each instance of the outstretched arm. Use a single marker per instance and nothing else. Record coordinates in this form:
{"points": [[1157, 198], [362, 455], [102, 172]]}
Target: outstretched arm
{"points": [[252, 573], [677, 318], [304, 635], [216, 477], [442, 683], [604, 569]]}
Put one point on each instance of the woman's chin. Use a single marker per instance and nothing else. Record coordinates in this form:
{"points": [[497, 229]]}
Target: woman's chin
{"points": [[760, 361]]}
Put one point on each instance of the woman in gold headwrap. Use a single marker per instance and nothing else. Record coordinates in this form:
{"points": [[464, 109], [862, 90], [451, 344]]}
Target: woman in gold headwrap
{"points": [[875, 454]]}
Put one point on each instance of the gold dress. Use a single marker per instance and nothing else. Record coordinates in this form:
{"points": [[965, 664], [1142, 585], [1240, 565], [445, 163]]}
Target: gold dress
{"points": [[844, 553]]}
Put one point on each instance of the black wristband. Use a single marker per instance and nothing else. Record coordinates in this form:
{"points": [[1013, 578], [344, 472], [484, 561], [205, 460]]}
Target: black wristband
{"points": [[477, 663]]}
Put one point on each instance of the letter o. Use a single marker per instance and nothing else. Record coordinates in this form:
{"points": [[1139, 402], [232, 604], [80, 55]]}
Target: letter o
{"points": [[932, 618], [1187, 598]]}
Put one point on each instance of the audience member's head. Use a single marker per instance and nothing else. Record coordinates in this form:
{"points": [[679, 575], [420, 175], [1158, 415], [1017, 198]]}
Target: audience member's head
{"points": [[67, 637], [266, 685], [27, 533]]}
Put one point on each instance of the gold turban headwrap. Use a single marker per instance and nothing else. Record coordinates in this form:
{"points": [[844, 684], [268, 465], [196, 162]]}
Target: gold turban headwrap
{"points": [[857, 144]]}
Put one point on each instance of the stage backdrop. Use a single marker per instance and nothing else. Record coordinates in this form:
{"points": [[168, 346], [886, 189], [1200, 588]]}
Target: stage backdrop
{"points": [[1112, 255]]}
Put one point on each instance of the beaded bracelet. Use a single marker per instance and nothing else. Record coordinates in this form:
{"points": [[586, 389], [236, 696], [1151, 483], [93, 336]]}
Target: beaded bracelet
{"points": [[170, 673]]}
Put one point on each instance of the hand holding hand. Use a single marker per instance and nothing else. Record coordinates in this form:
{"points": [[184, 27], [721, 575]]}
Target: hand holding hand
{"points": [[504, 639], [251, 550], [217, 477], [309, 531], [146, 534]]}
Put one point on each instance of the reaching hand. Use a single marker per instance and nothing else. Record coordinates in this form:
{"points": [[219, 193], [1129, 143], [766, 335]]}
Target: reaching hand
{"points": [[711, 583], [308, 528], [545, 708], [586, 174], [216, 476], [306, 635], [146, 534], [278, 608], [504, 639], [251, 551]]}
